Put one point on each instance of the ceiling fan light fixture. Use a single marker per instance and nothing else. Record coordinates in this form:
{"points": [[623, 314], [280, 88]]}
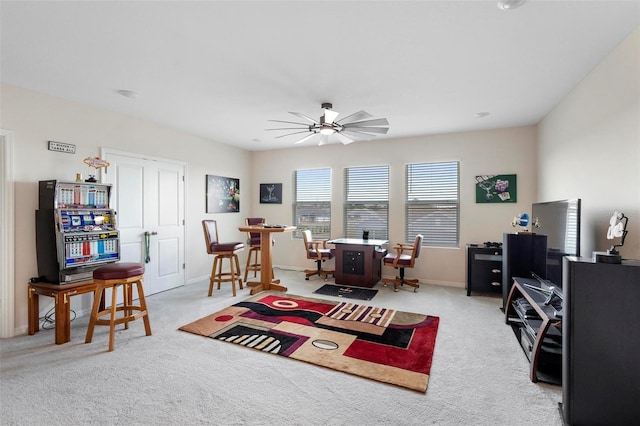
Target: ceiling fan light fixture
{"points": [[510, 4], [349, 129], [327, 130]]}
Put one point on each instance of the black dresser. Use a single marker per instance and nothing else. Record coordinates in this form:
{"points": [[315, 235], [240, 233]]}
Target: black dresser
{"points": [[484, 269]]}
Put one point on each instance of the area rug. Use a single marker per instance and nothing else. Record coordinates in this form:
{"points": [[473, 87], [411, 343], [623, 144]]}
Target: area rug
{"points": [[381, 344], [347, 291]]}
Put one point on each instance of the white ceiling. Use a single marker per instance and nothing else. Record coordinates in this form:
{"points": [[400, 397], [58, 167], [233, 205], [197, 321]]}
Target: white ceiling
{"points": [[222, 69]]}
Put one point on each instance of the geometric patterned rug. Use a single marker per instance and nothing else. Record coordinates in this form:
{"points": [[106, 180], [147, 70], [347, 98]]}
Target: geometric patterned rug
{"points": [[380, 344]]}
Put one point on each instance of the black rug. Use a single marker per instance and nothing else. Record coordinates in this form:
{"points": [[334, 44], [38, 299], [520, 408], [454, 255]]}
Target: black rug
{"points": [[347, 291]]}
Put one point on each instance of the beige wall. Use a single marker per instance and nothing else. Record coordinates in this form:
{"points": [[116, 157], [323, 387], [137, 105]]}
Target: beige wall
{"points": [[502, 151], [36, 118], [589, 147]]}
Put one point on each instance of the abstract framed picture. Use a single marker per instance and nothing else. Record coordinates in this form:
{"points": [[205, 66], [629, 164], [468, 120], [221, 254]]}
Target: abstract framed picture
{"points": [[223, 194], [496, 189], [270, 193]]}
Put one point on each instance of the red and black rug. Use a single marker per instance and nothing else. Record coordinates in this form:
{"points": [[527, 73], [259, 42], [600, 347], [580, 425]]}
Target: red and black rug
{"points": [[381, 344]]}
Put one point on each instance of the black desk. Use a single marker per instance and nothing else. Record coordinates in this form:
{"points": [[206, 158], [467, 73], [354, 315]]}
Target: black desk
{"points": [[358, 261]]}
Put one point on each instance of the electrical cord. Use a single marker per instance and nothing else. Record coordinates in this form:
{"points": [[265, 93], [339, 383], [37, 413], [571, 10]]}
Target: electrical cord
{"points": [[49, 321]]}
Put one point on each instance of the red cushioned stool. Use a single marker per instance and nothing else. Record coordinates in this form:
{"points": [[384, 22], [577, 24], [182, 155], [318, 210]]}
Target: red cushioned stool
{"points": [[113, 276]]}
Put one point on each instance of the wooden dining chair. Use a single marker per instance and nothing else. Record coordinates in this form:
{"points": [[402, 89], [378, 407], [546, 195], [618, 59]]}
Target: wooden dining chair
{"points": [[403, 256], [222, 251], [317, 251]]}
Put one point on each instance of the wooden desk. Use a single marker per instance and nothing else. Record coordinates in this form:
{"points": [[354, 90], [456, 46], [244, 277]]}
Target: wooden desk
{"points": [[61, 294], [358, 261], [266, 272]]}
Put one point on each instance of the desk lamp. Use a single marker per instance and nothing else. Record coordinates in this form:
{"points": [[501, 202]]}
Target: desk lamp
{"points": [[617, 229]]}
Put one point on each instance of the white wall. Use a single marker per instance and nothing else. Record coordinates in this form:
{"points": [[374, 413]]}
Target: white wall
{"points": [[589, 147], [502, 151], [36, 118]]}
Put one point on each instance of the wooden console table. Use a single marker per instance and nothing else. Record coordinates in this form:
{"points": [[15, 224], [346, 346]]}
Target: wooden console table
{"points": [[61, 294], [266, 272]]}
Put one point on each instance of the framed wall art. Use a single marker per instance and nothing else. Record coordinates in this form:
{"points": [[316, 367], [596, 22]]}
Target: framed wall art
{"points": [[223, 194], [270, 193], [496, 189]]}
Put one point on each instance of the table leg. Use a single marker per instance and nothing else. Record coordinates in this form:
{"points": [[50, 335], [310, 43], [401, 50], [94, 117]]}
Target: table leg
{"points": [[63, 314], [266, 268], [33, 311]]}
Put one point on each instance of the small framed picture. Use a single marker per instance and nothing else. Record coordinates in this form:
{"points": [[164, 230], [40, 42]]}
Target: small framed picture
{"points": [[270, 193]]}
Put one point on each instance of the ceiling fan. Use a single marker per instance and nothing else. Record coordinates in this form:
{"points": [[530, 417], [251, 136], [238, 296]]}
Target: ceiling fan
{"points": [[348, 129]]}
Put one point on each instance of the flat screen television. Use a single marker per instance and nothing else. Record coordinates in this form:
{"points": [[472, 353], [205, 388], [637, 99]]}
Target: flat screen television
{"points": [[560, 222]]}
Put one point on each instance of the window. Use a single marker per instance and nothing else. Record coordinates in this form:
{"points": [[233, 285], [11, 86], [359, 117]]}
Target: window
{"points": [[312, 202], [432, 204], [366, 202]]}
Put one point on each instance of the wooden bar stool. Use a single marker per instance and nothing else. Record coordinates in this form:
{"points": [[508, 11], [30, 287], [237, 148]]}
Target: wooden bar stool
{"points": [[113, 276], [222, 251]]}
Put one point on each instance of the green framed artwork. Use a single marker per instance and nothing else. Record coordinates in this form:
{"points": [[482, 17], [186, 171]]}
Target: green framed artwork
{"points": [[496, 189]]}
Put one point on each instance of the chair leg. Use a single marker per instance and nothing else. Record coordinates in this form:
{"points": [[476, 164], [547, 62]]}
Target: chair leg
{"points": [[112, 317], [213, 274], [311, 272], [401, 280], [97, 300], [143, 308], [235, 256], [232, 272], [127, 301]]}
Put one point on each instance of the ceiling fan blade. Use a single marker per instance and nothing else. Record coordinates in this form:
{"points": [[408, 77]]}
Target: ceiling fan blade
{"points": [[379, 130], [330, 116], [342, 138], [356, 134], [323, 139], [305, 138], [290, 128], [306, 117], [366, 123], [289, 134], [356, 116], [289, 122]]}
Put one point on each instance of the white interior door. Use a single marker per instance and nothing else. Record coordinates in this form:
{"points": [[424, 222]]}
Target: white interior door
{"points": [[148, 197]]}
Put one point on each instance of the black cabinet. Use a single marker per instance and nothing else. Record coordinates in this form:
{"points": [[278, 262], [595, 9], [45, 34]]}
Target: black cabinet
{"points": [[484, 269], [601, 342], [522, 254]]}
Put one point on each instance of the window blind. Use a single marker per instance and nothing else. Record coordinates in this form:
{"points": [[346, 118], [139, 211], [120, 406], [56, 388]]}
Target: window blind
{"points": [[312, 202], [366, 203], [432, 203]]}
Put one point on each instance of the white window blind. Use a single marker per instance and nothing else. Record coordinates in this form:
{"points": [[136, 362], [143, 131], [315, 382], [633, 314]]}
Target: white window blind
{"points": [[432, 204], [366, 204], [312, 202]]}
